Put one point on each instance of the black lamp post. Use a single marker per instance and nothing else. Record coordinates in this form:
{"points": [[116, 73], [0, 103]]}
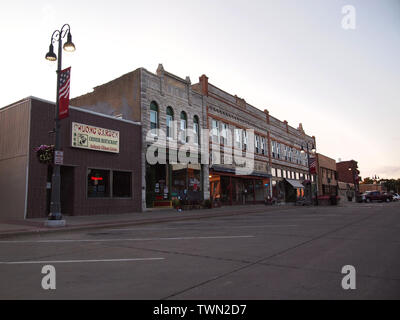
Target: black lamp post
{"points": [[58, 35], [309, 169]]}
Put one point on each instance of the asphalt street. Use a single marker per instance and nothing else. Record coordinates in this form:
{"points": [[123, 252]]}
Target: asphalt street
{"points": [[281, 254]]}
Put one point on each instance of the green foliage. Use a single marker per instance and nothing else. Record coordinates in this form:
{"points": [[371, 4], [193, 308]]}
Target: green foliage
{"points": [[392, 185], [368, 180]]}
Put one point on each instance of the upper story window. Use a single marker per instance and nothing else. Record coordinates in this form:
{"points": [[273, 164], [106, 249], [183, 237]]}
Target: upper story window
{"points": [[257, 143], [273, 148], [153, 115], [238, 138], [170, 122], [215, 130], [196, 130], [263, 145], [285, 152], [224, 132], [244, 139], [278, 150], [290, 154], [183, 127]]}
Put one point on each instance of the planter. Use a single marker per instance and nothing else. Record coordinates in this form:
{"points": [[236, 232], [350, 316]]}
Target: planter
{"points": [[45, 153]]}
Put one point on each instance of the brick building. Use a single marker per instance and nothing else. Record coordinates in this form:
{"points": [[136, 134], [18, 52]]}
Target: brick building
{"points": [[279, 166], [348, 172], [169, 111], [170, 104], [96, 177], [327, 176], [348, 179]]}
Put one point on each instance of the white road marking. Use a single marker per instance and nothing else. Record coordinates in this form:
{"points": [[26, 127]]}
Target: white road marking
{"points": [[111, 240], [80, 261], [205, 227]]}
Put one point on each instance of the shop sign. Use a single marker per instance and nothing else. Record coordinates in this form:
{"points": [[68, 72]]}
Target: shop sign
{"points": [[94, 138], [59, 157]]}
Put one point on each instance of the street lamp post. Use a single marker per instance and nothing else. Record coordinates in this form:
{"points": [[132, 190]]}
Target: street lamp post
{"points": [[58, 35], [356, 190], [309, 168]]}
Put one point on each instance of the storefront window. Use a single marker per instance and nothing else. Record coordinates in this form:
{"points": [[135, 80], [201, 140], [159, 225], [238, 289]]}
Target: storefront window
{"points": [[249, 190], [260, 191], [122, 184], [98, 183]]}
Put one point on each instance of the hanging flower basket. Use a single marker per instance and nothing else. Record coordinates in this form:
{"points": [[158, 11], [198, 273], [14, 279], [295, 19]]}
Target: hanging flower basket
{"points": [[45, 153]]}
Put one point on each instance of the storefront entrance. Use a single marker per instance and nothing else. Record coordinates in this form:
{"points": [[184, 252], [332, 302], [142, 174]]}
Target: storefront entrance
{"points": [[66, 191], [229, 189], [166, 182]]}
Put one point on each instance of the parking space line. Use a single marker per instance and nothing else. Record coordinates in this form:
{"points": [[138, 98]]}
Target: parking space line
{"points": [[121, 239], [80, 261]]}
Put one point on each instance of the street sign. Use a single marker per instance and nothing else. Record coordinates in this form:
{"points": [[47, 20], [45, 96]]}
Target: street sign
{"points": [[59, 157]]}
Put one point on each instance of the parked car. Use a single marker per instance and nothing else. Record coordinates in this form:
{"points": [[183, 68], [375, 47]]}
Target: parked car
{"points": [[378, 196], [363, 196], [396, 197]]}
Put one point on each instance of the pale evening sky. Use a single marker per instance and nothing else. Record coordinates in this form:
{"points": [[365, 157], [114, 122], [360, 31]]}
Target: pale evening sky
{"points": [[290, 57]]}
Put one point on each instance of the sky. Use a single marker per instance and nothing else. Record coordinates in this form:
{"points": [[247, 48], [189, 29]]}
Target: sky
{"points": [[291, 57]]}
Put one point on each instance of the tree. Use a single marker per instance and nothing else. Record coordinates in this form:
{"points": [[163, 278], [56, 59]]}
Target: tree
{"points": [[392, 185], [367, 180]]}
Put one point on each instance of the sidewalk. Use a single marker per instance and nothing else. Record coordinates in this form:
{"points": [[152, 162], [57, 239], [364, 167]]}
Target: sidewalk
{"points": [[10, 228]]}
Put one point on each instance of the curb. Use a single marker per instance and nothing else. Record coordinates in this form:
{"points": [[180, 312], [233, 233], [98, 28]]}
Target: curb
{"points": [[42, 231]]}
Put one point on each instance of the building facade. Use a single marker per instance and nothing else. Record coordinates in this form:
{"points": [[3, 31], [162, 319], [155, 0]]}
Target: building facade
{"points": [[348, 177], [327, 176], [229, 131], [279, 167], [171, 114], [348, 172], [100, 171]]}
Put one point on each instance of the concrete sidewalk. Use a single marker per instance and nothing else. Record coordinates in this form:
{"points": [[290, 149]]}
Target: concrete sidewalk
{"points": [[10, 228]]}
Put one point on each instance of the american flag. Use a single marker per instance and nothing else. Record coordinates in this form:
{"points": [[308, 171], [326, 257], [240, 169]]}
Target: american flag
{"points": [[63, 93], [313, 165]]}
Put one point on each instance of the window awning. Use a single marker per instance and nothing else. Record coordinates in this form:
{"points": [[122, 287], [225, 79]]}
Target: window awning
{"points": [[295, 184], [221, 168]]}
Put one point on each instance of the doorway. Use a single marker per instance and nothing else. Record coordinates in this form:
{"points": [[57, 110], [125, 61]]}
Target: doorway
{"points": [[66, 190]]}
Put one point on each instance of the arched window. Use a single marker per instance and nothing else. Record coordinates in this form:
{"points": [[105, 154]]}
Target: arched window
{"points": [[153, 115], [183, 126], [170, 121], [196, 135]]}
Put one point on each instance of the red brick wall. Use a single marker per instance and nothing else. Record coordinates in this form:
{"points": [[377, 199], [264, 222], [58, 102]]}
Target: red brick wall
{"points": [[128, 159], [344, 174]]}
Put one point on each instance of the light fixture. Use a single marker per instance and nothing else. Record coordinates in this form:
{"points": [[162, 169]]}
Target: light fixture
{"points": [[51, 56], [69, 45], [302, 150], [313, 150], [210, 176]]}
